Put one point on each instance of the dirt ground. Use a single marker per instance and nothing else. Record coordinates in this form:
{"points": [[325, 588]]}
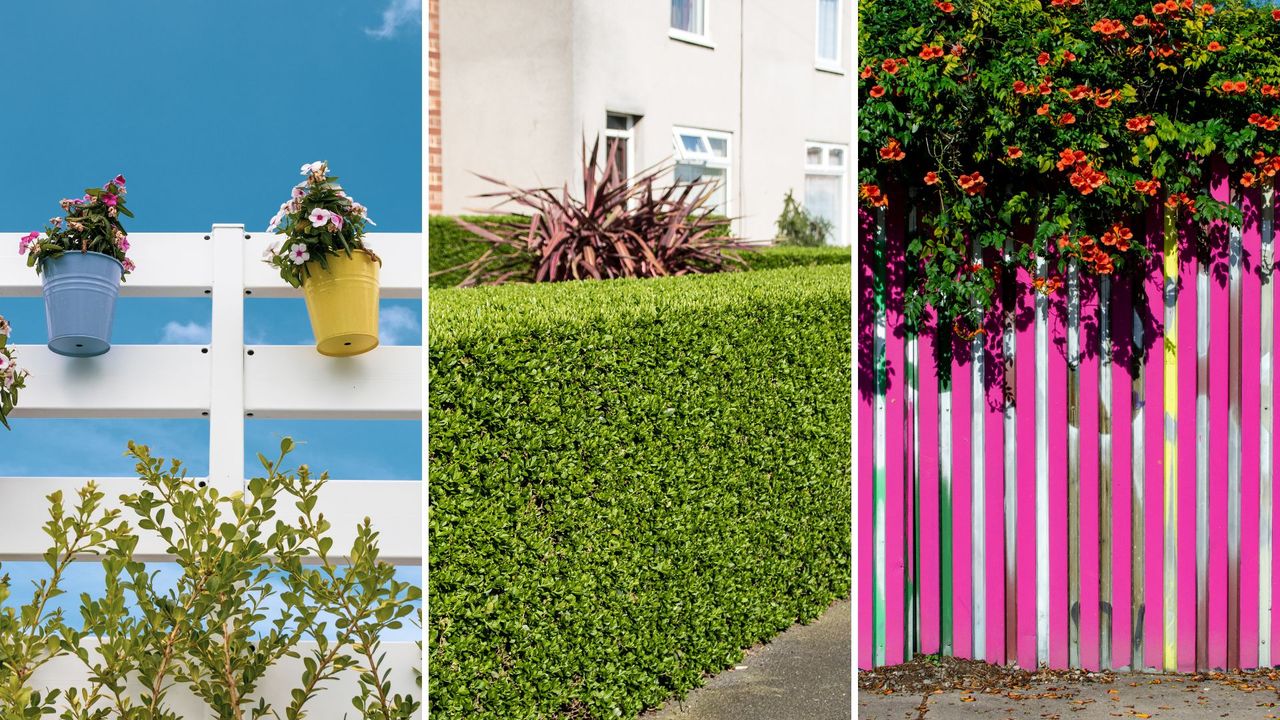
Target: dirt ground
{"points": [[939, 688]]}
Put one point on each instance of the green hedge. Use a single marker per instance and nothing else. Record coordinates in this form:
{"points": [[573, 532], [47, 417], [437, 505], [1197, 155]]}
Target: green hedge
{"points": [[630, 481], [449, 246]]}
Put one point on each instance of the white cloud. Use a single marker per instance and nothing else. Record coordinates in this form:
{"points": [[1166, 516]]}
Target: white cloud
{"points": [[397, 14], [396, 324], [189, 333]]}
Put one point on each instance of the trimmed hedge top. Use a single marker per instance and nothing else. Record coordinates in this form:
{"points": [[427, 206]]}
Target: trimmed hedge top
{"points": [[631, 481]]}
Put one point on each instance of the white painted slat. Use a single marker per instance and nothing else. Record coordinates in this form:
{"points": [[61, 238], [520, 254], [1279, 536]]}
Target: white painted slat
{"points": [[284, 381], [333, 702], [399, 277], [131, 381], [169, 265], [1267, 431], [394, 506]]}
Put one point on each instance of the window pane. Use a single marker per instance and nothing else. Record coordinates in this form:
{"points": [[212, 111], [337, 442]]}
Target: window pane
{"points": [[617, 122], [828, 30], [822, 198], [687, 173], [837, 157], [686, 15], [692, 144], [813, 155], [617, 149], [719, 147]]}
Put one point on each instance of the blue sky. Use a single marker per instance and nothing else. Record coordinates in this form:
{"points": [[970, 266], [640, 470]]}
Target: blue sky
{"points": [[209, 109]]}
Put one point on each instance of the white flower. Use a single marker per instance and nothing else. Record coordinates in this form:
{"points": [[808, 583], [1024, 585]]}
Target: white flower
{"points": [[315, 168], [319, 217], [5, 362], [298, 193], [271, 251], [275, 221], [4, 327], [298, 253]]}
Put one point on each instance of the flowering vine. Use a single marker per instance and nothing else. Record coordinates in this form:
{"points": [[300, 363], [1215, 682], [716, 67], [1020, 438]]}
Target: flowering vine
{"points": [[89, 224], [319, 221], [12, 377], [1048, 130]]}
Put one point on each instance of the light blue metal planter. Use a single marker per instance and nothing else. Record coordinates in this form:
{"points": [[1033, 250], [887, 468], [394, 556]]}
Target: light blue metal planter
{"points": [[80, 292]]}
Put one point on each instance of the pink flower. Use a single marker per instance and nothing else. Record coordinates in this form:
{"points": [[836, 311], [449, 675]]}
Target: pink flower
{"points": [[109, 199], [298, 193], [319, 217], [128, 265], [119, 180], [27, 241], [298, 253], [122, 242], [337, 221]]}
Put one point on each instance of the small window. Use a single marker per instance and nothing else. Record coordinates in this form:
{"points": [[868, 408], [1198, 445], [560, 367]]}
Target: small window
{"points": [[704, 156], [825, 183], [619, 137], [689, 16], [829, 12]]}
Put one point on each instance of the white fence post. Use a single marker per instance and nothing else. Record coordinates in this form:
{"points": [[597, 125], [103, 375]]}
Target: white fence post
{"points": [[226, 377]]}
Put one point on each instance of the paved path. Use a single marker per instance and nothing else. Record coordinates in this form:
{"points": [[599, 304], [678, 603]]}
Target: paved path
{"points": [[803, 674], [1160, 697]]}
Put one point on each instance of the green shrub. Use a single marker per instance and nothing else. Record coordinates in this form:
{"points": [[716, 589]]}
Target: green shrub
{"points": [[783, 256], [449, 246], [631, 481], [799, 227]]}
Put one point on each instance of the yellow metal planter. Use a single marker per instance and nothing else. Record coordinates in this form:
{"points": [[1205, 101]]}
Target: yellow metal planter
{"points": [[342, 301]]}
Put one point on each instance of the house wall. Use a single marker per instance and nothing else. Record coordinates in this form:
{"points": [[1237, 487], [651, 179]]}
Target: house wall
{"points": [[506, 92], [571, 62]]}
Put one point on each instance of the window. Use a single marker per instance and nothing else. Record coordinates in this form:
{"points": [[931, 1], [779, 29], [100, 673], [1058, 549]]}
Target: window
{"points": [[704, 156], [829, 12], [825, 182], [689, 21], [619, 142]]}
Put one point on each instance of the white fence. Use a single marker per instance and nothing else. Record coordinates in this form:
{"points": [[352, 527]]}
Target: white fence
{"points": [[227, 382]]}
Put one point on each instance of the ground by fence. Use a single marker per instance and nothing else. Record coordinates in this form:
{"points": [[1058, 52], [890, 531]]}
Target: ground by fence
{"points": [[1090, 484], [227, 381]]}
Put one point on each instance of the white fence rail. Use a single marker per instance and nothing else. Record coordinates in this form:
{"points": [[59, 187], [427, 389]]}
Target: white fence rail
{"points": [[227, 382]]}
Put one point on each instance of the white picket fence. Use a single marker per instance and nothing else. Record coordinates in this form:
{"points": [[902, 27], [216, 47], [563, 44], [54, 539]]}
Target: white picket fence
{"points": [[228, 382]]}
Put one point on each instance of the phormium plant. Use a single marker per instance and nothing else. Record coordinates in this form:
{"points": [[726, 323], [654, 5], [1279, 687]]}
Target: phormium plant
{"points": [[90, 224], [319, 221], [12, 377], [797, 226], [217, 631], [1046, 130], [641, 226]]}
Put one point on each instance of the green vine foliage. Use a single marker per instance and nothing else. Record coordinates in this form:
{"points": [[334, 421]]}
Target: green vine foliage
{"points": [[254, 585], [1030, 128]]}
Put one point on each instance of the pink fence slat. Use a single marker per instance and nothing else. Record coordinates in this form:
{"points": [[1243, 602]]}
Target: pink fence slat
{"points": [[866, 431], [897, 524], [1275, 456], [1121, 467], [1089, 346], [1186, 515], [930, 550], [1057, 432], [1025, 414], [1219, 420], [1153, 444], [961, 481], [993, 466], [1250, 425]]}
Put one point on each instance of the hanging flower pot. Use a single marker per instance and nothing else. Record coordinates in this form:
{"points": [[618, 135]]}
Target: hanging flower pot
{"points": [[12, 378], [325, 255], [342, 301], [81, 260]]}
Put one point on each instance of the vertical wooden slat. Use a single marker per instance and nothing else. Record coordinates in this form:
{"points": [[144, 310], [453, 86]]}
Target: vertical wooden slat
{"points": [[1122, 521], [1250, 422], [1009, 539], [930, 540], [1042, 468], [961, 508], [1024, 396], [866, 430], [1170, 500], [1266, 495], [1186, 448], [1056, 410], [1073, 461], [880, 577], [1089, 459], [978, 489], [896, 487], [1105, 467], [993, 459], [1207, 441], [1213, 613], [946, 507], [1149, 550]]}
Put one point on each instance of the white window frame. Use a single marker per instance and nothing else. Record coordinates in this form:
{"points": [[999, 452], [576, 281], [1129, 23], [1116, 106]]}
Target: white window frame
{"points": [[841, 171], [627, 135], [703, 38], [827, 64], [708, 158]]}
